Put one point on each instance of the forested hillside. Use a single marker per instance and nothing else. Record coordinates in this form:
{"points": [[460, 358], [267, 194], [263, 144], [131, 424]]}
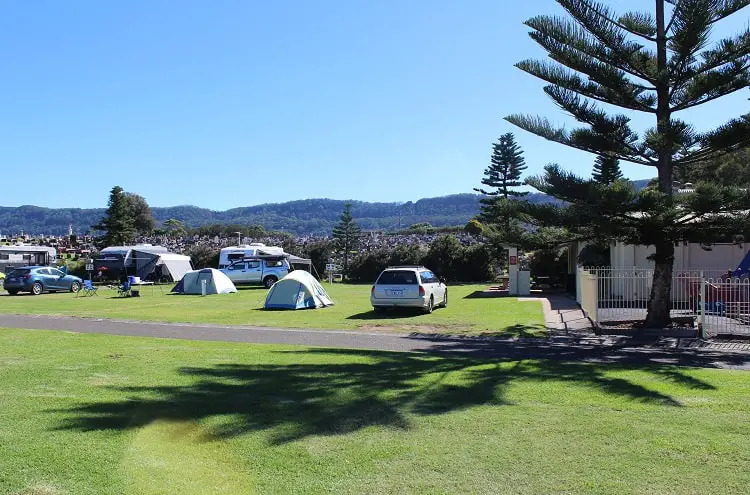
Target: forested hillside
{"points": [[309, 216]]}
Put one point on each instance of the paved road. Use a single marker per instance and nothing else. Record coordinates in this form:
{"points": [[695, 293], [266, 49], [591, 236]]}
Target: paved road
{"points": [[589, 350]]}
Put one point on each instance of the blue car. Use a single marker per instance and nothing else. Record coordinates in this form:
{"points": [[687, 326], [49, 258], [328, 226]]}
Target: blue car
{"points": [[38, 279]]}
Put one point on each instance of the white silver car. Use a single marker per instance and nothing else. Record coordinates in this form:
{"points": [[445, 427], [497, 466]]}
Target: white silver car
{"points": [[257, 270], [408, 287]]}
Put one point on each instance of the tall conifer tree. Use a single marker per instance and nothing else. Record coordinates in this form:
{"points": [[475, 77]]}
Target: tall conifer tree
{"points": [[118, 223], [606, 170], [346, 235], [658, 63]]}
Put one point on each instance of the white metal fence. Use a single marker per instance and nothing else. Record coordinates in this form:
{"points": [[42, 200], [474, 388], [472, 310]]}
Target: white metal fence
{"points": [[711, 301]]}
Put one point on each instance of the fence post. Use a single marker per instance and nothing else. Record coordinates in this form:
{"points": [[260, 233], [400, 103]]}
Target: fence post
{"points": [[702, 315], [596, 296]]}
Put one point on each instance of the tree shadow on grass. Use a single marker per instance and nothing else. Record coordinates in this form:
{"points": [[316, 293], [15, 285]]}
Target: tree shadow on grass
{"points": [[353, 390]]}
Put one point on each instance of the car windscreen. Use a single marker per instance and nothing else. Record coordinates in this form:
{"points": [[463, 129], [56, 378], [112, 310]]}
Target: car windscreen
{"points": [[18, 273], [398, 277]]}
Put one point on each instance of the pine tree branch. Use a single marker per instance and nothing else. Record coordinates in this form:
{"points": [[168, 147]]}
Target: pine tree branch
{"points": [[625, 94], [607, 134], [594, 17], [640, 24], [605, 14], [566, 41], [728, 8], [730, 136], [691, 22], [714, 85], [542, 127], [671, 20], [726, 51]]}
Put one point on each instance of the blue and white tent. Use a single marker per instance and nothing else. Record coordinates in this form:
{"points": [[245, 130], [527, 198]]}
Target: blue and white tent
{"points": [[298, 290]]}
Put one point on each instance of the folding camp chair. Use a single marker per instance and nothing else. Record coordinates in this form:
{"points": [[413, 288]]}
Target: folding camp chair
{"points": [[124, 289], [89, 289]]}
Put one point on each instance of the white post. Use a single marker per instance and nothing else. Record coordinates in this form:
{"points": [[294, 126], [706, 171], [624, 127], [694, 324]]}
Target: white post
{"points": [[513, 271], [702, 314], [203, 287], [596, 297]]}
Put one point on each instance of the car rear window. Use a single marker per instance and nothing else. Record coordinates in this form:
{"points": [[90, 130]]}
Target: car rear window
{"points": [[398, 277], [18, 273]]}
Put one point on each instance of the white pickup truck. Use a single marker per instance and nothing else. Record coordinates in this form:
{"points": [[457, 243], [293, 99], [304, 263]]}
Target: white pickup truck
{"points": [[257, 270]]}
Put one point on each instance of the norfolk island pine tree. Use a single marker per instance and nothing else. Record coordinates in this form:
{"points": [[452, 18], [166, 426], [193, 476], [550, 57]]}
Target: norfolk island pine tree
{"points": [[654, 64]]}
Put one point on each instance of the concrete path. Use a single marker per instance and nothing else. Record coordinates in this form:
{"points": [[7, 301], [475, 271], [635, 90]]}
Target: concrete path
{"points": [[565, 347], [563, 316]]}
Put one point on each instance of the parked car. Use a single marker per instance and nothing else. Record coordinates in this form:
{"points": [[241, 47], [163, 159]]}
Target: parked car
{"points": [[257, 270], [38, 279], [408, 286]]}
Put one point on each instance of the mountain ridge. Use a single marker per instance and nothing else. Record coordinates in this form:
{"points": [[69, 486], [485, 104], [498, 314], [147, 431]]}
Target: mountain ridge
{"points": [[301, 217]]}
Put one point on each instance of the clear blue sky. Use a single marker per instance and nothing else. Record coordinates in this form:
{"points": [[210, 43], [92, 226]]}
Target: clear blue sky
{"points": [[235, 102]]}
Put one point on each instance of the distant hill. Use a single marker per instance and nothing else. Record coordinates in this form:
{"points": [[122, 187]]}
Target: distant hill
{"points": [[308, 216]]}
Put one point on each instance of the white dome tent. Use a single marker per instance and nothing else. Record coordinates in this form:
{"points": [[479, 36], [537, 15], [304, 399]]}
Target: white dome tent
{"points": [[298, 290], [216, 282]]}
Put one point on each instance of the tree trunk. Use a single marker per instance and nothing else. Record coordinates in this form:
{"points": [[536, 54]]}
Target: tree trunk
{"points": [[659, 302]]}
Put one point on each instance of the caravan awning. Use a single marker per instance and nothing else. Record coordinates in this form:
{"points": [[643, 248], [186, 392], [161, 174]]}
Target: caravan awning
{"points": [[176, 264], [296, 260]]}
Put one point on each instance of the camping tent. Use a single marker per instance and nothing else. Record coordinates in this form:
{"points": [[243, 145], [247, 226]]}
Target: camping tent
{"points": [[298, 290], [216, 282]]}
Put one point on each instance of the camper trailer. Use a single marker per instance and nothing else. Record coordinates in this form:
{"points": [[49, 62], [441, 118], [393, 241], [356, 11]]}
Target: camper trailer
{"points": [[142, 260], [228, 255], [24, 255]]}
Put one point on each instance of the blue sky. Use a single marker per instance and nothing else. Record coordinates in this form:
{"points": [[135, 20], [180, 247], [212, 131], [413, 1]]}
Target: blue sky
{"points": [[235, 102]]}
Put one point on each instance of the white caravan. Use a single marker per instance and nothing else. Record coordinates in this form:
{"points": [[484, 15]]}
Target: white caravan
{"points": [[233, 253]]}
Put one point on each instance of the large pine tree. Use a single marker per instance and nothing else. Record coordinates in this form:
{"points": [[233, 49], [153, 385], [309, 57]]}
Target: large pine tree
{"points": [[502, 178], [656, 63], [606, 170], [504, 172], [346, 234], [118, 223]]}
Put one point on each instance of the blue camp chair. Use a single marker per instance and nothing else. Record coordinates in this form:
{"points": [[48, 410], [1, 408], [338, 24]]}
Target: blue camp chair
{"points": [[124, 289], [89, 289]]}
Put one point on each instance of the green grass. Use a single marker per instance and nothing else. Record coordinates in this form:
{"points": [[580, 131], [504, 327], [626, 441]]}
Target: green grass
{"points": [[351, 311], [95, 414]]}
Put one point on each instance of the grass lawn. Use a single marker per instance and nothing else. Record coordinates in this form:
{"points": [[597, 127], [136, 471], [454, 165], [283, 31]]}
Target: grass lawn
{"points": [[464, 315], [97, 414]]}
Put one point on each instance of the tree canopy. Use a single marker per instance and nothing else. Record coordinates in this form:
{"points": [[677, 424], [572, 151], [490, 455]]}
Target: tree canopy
{"points": [[658, 63], [118, 223], [143, 220]]}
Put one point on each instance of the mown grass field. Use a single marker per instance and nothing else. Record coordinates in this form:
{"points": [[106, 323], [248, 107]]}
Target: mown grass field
{"points": [[352, 311], [95, 414]]}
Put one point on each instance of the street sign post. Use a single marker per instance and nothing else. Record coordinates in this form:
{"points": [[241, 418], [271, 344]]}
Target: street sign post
{"points": [[330, 267]]}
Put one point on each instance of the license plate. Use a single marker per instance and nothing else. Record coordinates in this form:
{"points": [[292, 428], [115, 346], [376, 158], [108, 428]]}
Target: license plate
{"points": [[395, 293], [12, 280]]}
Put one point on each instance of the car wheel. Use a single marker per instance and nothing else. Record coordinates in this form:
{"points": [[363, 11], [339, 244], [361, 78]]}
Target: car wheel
{"points": [[75, 287], [269, 281], [430, 305], [37, 289], [445, 299], [379, 309], [13, 292]]}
